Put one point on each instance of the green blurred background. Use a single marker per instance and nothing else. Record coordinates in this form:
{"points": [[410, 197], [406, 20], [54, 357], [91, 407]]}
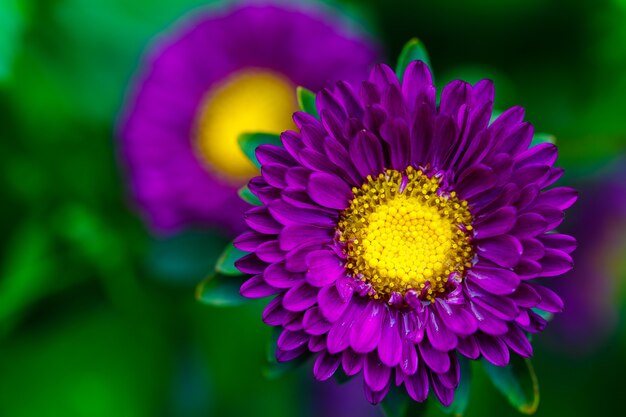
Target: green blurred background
{"points": [[98, 318]]}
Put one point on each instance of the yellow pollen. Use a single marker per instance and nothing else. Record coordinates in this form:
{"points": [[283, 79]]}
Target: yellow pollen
{"points": [[252, 100], [400, 233]]}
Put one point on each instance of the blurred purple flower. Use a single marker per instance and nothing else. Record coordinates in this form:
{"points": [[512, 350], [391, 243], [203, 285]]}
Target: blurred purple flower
{"points": [[396, 233], [590, 291], [341, 400], [219, 74]]}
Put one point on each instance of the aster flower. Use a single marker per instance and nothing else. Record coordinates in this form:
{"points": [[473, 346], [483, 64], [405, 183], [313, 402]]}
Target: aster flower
{"points": [[220, 74], [397, 235]]}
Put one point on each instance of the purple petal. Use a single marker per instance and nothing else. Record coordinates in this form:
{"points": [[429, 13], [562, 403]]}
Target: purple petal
{"points": [[249, 241], [300, 297], [274, 313], [272, 154], [501, 307], [504, 250], [468, 347], [450, 378], [516, 339], [289, 355], [565, 243], [444, 395], [409, 360], [550, 301], [314, 322], [250, 264], [299, 234], [297, 178], [436, 360], [274, 174], [493, 349], [324, 267], [526, 296], [367, 154], [329, 191], [259, 219], [270, 252], [456, 318], [555, 262], [396, 134], [375, 372], [474, 181], [497, 223], [325, 366], [287, 214], [487, 322], [417, 79], [438, 333], [352, 362], [331, 304], [368, 328], [529, 225], [417, 385], [317, 343], [289, 340], [277, 276], [498, 281], [256, 287], [339, 334], [390, 345]]}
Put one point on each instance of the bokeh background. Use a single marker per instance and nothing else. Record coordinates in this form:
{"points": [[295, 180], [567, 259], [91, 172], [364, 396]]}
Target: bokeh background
{"points": [[98, 316]]}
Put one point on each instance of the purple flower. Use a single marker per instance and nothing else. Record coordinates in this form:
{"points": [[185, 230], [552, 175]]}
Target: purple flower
{"points": [[396, 233], [217, 75]]}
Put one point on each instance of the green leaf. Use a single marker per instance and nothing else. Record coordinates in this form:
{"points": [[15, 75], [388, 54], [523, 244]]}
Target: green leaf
{"points": [[517, 381], [274, 369], [28, 272], [226, 263], [220, 291], [247, 196], [306, 101], [397, 403], [14, 18], [413, 50], [185, 258], [542, 138], [248, 142], [494, 115], [461, 395], [546, 315]]}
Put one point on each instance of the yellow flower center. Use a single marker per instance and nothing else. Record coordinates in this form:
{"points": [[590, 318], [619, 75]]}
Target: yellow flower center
{"points": [[401, 232], [250, 100]]}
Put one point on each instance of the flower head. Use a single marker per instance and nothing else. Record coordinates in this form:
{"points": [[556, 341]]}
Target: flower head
{"points": [[396, 233], [215, 77]]}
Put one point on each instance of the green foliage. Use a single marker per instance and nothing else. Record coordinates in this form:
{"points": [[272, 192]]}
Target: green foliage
{"points": [[226, 262], [517, 381], [397, 403], [542, 138], [219, 290], [185, 258], [247, 196], [14, 16], [306, 101], [413, 50], [250, 141]]}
